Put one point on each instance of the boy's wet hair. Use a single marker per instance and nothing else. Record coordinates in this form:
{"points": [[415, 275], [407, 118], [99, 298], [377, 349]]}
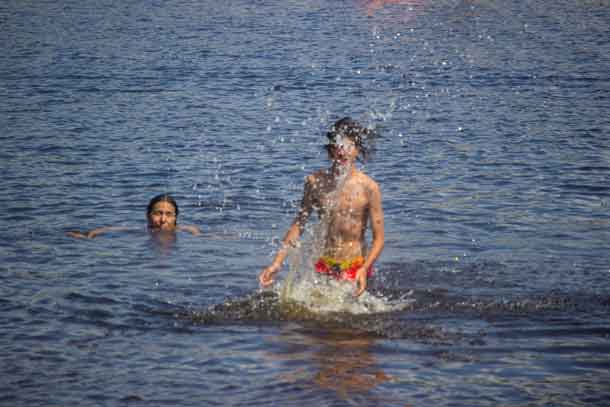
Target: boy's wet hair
{"points": [[161, 198], [360, 135]]}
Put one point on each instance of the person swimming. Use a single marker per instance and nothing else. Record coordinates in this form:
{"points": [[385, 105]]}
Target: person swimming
{"points": [[346, 200], [161, 215]]}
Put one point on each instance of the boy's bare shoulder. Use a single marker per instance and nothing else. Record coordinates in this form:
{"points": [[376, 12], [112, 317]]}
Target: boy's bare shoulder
{"points": [[365, 179], [316, 177], [369, 183], [319, 174]]}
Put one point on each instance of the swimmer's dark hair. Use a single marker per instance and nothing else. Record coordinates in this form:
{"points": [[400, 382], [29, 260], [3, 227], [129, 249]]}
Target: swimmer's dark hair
{"points": [[348, 127], [161, 198]]}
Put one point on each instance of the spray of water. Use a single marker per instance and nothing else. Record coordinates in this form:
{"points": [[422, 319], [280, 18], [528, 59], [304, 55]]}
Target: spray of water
{"points": [[320, 294]]}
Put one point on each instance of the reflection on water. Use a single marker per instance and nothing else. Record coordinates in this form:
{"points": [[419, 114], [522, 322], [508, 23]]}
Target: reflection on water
{"points": [[336, 360]]}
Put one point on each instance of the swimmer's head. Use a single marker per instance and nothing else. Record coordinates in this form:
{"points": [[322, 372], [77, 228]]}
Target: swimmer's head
{"points": [[347, 132], [162, 213]]}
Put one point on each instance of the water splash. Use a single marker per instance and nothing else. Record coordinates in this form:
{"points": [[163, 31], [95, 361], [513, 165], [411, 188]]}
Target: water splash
{"points": [[320, 294]]}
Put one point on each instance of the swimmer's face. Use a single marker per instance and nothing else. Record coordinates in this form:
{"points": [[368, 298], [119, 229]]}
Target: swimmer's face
{"points": [[162, 217], [343, 151]]}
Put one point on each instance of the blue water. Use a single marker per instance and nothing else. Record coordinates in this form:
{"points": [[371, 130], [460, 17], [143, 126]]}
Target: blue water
{"points": [[494, 164]]}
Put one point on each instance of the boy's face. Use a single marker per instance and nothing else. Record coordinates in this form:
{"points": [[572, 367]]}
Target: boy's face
{"points": [[343, 151], [162, 217]]}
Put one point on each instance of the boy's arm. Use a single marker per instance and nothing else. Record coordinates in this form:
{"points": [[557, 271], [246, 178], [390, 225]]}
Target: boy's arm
{"points": [[292, 235], [377, 227]]}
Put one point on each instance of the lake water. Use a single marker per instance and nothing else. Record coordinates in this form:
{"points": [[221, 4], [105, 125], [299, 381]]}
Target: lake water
{"points": [[494, 164]]}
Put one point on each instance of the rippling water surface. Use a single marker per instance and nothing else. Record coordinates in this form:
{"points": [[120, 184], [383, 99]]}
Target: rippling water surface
{"points": [[494, 164]]}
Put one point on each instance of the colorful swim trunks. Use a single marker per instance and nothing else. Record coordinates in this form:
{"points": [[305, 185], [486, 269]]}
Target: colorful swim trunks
{"points": [[341, 270]]}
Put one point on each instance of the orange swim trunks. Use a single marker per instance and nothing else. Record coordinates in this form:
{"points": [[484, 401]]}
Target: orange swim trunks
{"points": [[341, 270]]}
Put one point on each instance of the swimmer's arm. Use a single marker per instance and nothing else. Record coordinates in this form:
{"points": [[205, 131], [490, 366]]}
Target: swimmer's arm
{"points": [[95, 232], [192, 229], [377, 227]]}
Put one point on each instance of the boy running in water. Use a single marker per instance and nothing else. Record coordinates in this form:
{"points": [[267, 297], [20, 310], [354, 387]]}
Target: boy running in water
{"points": [[346, 200]]}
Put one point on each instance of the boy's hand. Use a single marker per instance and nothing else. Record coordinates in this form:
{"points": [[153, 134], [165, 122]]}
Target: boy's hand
{"points": [[266, 277], [360, 281]]}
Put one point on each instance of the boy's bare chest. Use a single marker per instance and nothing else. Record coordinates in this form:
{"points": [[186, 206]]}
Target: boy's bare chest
{"points": [[352, 198]]}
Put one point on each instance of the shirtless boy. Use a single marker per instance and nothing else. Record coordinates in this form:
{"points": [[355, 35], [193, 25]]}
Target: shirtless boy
{"points": [[346, 201]]}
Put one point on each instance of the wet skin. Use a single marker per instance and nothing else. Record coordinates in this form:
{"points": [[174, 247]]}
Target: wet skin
{"points": [[346, 200], [162, 217]]}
